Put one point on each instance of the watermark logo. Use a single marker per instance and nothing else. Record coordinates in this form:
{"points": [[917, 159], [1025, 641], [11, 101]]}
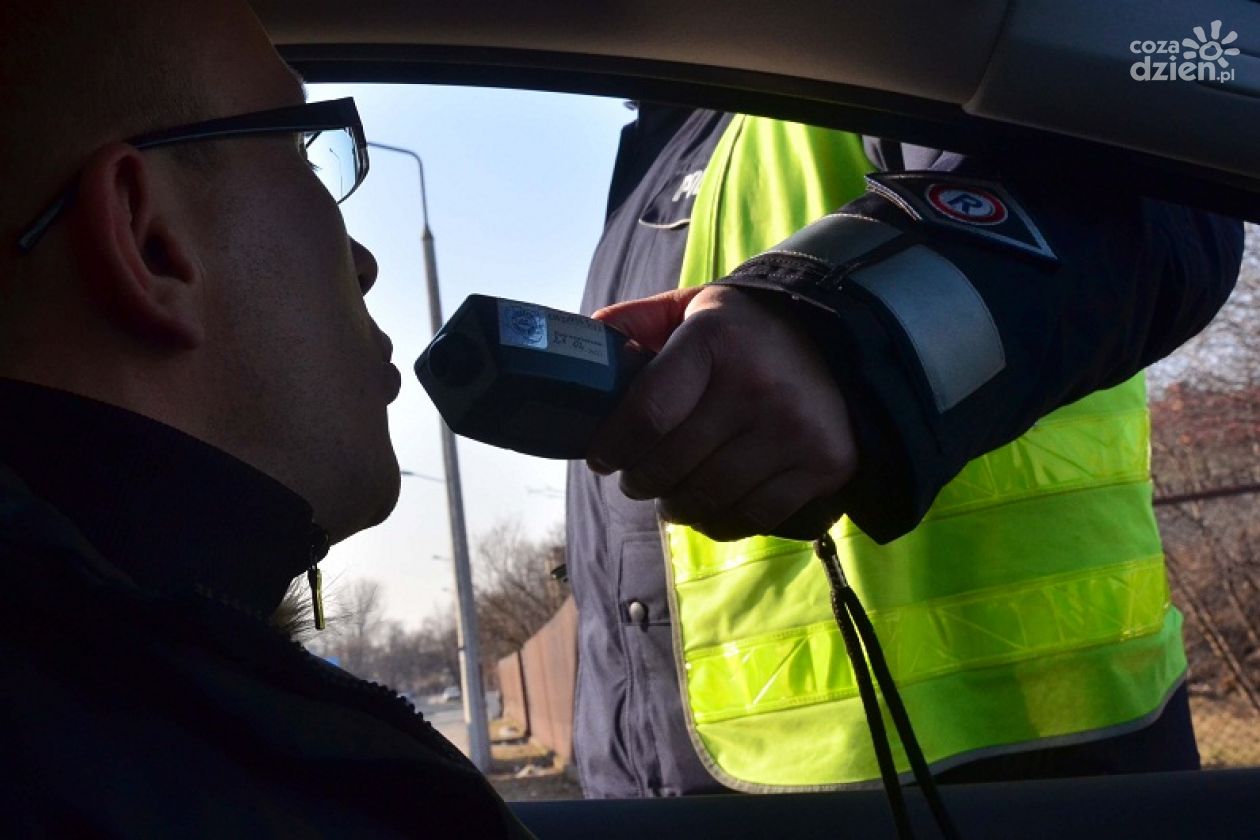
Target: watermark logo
{"points": [[1198, 59]]}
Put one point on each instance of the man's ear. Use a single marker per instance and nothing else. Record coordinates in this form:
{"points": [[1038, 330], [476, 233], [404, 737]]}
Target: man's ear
{"points": [[136, 251]]}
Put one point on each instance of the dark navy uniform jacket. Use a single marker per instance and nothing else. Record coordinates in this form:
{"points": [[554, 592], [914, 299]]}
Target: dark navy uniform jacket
{"points": [[1139, 277], [146, 694]]}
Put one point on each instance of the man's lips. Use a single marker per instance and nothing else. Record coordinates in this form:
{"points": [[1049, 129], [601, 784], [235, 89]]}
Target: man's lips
{"points": [[392, 374], [395, 381], [387, 346]]}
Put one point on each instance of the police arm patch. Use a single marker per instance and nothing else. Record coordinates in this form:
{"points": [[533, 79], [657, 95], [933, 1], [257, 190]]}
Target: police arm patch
{"points": [[967, 205]]}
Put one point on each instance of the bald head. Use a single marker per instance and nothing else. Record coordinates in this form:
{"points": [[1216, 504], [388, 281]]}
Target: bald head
{"points": [[224, 299], [75, 75]]}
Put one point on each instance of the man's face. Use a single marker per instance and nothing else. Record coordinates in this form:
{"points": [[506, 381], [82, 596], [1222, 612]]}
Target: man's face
{"points": [[290, 344]]}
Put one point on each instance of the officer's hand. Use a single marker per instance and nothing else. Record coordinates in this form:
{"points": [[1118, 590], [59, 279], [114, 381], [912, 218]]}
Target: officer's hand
{"points": [[735, 426]]}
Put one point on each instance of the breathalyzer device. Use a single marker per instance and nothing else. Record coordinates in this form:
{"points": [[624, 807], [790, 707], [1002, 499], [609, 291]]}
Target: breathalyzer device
{"points": [[525, 377]]}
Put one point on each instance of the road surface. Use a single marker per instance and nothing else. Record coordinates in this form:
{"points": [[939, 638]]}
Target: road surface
{"points": [[448, 718]]}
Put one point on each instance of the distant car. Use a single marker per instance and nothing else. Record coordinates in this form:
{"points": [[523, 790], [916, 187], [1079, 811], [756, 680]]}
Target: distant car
{"points": [[451, 693]]}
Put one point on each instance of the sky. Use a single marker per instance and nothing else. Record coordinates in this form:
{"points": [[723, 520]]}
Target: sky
{"points": [[517, 184]]}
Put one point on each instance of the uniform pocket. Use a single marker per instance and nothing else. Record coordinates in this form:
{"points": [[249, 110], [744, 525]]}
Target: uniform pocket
{"points": [[657, 736], [671, 207], [641, 598]]}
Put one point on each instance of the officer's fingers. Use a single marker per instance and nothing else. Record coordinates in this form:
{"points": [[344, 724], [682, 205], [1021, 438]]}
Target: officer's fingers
{"points": [[709, 428], [662, 396], [810, 522], [722, 479], [770, 504], [779, 478], [795, 500], [727, 528], [649, 321]]}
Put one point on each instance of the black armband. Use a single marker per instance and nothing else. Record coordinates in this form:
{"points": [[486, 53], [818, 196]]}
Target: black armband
{"points": [[885, 286]]}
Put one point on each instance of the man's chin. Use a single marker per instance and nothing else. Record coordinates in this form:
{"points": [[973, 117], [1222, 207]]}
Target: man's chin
{"points": [[389, 498], [376, 500], [388, 486]]}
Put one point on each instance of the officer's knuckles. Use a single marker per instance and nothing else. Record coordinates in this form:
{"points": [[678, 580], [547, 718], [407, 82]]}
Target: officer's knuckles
{"points": [[778, 373], [808, 523], [834, 467], [757, 520], [723, 335], [645, 418], [725, 529], [685, 508], [783, 413], [646, 481], [830, 455], [760, 384]]}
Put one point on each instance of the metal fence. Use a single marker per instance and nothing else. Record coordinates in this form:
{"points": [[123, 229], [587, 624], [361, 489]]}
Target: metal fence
{"points": [[511, 671], [538, 681]]}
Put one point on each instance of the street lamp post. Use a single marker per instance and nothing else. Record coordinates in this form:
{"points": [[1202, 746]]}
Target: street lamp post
{"points": [[465, 607]]}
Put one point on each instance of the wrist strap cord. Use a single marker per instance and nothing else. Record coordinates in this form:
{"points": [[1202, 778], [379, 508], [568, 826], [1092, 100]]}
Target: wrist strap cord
{"points": [[862, 645]]}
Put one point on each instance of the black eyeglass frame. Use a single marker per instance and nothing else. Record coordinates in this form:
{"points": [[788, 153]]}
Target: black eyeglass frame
{"points": [[331, 115]]}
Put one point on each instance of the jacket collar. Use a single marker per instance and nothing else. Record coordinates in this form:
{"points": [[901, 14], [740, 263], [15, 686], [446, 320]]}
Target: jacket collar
{"points": [[166, 509]]}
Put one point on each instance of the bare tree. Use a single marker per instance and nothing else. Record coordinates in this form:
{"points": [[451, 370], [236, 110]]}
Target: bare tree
{"points": [[364, 607], [355, 622], [358, 638], [1205, 416], [440, 639], [1226, 355], [516, 592]]}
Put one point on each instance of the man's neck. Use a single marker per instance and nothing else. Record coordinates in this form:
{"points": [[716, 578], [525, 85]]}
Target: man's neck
{"points": [[167, 509]]}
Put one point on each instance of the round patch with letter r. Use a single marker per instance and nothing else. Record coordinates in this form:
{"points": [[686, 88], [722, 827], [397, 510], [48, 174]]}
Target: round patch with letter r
{"points": [[969, 205]]}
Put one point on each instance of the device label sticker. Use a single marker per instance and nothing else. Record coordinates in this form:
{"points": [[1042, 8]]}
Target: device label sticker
{"points": [[539, 328], [577, 336], [521, 325]]}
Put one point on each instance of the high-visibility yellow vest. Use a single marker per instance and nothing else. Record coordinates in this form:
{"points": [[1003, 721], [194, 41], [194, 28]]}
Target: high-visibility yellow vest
{"points": [[1030, 608]]}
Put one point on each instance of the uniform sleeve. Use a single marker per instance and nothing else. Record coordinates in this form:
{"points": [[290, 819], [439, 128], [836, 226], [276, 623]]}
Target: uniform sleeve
{"points": [[957, 305]]}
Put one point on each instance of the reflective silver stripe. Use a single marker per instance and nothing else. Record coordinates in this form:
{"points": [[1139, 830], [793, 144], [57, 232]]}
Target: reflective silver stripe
{"points": [[837, 238], [943, 315]]}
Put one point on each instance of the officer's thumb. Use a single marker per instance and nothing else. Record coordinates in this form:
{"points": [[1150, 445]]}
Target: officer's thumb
{"points": [[649, 321]]}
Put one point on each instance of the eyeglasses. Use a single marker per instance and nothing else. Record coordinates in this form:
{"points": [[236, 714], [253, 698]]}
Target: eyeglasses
{"points": [[331, 138]]}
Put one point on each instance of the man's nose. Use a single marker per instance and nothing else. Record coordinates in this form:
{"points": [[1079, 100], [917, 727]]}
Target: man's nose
{"points": [[364, 265]]}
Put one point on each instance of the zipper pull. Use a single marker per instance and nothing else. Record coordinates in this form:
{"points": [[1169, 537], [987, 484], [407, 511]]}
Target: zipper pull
{"points": [[825, 548], [316, 580], [865, 655]]}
